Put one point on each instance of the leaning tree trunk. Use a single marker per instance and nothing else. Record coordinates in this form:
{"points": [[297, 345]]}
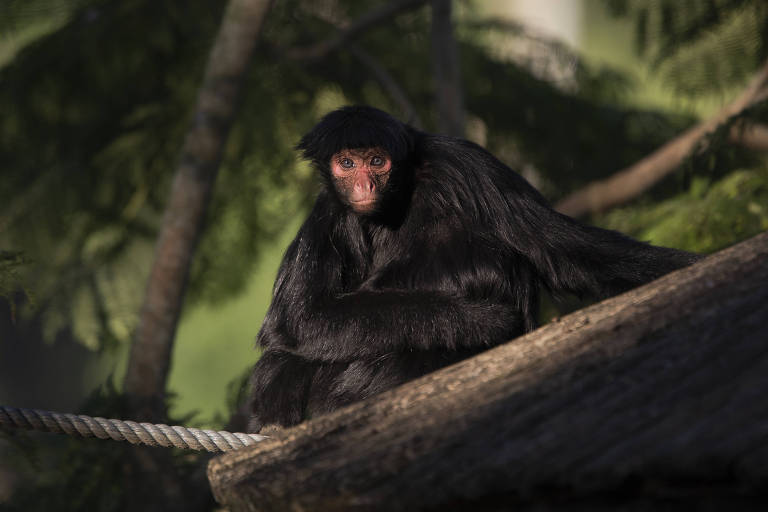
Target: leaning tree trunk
{"points": [[183, 221], [657, 396]]}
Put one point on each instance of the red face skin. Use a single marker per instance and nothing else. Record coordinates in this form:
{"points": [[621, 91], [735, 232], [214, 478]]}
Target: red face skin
{"points": [[360, 175]]}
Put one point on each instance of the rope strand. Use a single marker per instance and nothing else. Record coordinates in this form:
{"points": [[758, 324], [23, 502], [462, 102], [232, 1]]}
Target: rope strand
{"points": [[149, 434]]}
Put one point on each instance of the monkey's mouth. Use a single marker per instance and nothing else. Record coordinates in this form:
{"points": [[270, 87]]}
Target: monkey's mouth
{"points": [[363, 205]]}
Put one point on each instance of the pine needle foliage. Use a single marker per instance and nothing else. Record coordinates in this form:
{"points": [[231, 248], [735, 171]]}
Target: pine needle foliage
{"points": [[699, 47]]}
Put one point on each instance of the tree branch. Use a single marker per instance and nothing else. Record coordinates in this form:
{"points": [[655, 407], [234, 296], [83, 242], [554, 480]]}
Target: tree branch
{"points": [[750, 136], [389, 84], [627, 184], [323, 49]]}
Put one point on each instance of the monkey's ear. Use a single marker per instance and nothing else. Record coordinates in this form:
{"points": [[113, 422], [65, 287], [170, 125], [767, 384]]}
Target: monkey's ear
{"points": [[308, 147]]}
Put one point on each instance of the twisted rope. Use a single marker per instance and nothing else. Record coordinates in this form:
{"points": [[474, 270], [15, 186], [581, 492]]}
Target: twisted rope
{"points": [[149, 434]]}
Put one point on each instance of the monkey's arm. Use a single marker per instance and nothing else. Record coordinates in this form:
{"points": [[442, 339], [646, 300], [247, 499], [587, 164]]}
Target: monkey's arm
{"points": [[569, 257], [584, 260], [371, 323], [430, 298], [368, 324]]}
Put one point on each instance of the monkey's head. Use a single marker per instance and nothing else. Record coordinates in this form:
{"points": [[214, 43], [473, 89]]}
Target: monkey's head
{"points": [[364, 155]]}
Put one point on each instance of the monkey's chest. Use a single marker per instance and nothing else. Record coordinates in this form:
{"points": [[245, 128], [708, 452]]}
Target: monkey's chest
{"points": [[419, 265]]}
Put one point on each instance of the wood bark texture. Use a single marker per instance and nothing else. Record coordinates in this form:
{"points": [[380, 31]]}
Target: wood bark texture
{"points": [[657, 397]]}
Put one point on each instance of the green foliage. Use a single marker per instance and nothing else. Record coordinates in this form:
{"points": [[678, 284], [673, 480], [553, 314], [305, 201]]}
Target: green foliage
{"points": [[584, 124], [706, 218], [10, 281], [93, 117], [699, 46], [22, 21], [9, 267]]}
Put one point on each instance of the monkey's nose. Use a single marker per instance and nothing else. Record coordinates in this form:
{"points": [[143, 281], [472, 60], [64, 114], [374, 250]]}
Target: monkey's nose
{"points": [[363, 191], [365, 186]]}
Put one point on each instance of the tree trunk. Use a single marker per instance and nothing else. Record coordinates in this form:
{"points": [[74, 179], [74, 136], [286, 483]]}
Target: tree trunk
{"points": [[183, 221], [445, 62], [654, 397]]}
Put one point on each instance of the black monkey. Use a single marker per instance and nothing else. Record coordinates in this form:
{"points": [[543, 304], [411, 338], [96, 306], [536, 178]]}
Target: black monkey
{"points": [[420, 250]]}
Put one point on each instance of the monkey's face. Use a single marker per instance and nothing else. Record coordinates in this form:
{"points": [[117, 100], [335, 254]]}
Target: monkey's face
{"points": [[360, 177]]}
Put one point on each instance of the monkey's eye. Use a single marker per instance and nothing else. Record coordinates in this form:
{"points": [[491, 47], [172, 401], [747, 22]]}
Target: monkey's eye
{"points": [[377, 161], [346, 163]]}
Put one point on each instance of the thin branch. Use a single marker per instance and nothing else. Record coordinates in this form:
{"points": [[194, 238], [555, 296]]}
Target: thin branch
{"points": [[389, 84], [627, 184], [364, 22]]}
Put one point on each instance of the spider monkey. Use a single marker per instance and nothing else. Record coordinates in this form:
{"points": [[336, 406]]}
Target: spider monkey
{"points": [[421, 250]]}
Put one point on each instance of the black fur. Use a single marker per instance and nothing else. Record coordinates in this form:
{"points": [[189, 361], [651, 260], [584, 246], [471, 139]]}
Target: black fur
{"points": [[451, 264]]}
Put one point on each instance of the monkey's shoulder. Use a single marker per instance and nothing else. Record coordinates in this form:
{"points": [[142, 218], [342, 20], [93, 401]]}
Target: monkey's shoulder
{"points": [[462, 163], [457, 176]]}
